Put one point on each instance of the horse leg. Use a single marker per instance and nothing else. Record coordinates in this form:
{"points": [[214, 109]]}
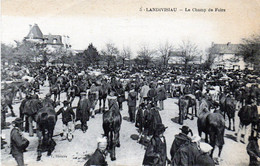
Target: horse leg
{"points": [[113, 147], [104, 103], [192, 113], [220, 150], [12, 110], [233, 124], [30, 126], [229, 122]]}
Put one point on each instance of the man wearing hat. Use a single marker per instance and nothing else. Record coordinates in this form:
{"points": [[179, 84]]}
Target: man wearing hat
{"points": [[18, 143], [155, 153], [187, 153], [204, 157], [83, 111], [180, 139], [99, 156], [68, 119], [131, 102]]}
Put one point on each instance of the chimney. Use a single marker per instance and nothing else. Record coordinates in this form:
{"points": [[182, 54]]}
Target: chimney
{"points": [[212, 44], [30, 26], [228, 43]]}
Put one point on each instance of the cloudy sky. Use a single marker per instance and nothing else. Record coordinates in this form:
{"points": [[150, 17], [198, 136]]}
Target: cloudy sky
{"points": [[122, 23]]}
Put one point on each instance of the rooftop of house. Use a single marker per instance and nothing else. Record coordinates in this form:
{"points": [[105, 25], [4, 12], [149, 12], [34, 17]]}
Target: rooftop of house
{"points": [[225, 48], [34, 33]]}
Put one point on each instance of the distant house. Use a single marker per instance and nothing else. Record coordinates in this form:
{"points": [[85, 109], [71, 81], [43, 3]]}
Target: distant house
{"points": [[177, 57], [35, 35], [227, 56]]}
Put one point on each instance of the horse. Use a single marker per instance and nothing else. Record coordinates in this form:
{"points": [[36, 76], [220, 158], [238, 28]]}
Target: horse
{"points": [[112, 120], [230, 109], [72, 92], [45, 120], [213, 125], [55, 90], [9, 95], [30, 109], [192, 103], [102, 94], [183, 109], [248, 114]]}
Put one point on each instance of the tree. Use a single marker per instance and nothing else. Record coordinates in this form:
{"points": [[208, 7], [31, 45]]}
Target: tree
{"points": [[110, 53], [189, 52], [164, 51], [125, 53], [7, 53], [211, 56], [91, 55], [145, 55], [250, 50]]}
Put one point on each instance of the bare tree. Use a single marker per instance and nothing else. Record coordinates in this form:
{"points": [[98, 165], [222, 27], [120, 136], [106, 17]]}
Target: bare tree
{"points": [[190, 52], [164, 51], [110, 53], [250, 50], [125, 53], [145, 55]]}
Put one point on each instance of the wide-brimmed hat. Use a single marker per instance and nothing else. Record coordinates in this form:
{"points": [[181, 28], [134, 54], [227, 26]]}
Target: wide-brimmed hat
{"points": [[17, 121], [185, 129], [160, 128]]}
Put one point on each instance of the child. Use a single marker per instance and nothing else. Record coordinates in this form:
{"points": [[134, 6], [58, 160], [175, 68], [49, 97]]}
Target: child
{"points": [[68, 119]]}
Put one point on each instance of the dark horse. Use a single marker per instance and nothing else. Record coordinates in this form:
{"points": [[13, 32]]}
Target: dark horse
{"points": [[102, 94], [213, 125], [228, 106], [112, 120], [46, 120], [55, 90], [192, 103]]}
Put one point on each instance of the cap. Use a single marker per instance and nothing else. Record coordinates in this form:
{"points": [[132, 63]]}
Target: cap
{"points": [[204, 147]]}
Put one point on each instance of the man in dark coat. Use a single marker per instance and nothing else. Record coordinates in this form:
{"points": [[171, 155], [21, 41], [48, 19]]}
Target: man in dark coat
{"points": [[18, 142], [83, 111], [99, 156], [156, 151], [131, 101], [180, 139], [253, 151]]}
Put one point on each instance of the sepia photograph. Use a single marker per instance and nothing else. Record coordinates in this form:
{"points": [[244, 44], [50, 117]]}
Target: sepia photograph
{"points": [[130, 83]]}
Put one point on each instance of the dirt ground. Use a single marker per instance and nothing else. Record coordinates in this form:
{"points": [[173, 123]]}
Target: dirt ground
{"points": [[129, 154]]}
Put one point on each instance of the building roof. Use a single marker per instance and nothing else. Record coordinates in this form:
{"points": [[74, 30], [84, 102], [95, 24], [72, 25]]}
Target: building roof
{"points": [[225, 48], [176, 54], [53, 39], [35, 33]]}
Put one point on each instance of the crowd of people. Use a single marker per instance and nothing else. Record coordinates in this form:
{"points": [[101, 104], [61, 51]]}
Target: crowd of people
{"points": [[144, 92]]}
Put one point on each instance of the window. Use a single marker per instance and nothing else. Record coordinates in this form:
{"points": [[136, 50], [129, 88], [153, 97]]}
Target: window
{"points": [[54, 41]]}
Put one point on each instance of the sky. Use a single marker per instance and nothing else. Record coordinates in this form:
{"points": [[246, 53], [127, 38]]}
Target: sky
{"points": [[122, 23]]}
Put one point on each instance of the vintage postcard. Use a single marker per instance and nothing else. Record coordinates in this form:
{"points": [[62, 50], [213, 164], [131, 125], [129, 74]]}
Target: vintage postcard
{"points": [[130, 82]]}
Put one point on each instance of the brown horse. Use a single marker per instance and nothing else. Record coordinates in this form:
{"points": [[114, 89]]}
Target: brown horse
{"points": [[46, 120], [112, 120], [213, 125], [55, 90]]}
